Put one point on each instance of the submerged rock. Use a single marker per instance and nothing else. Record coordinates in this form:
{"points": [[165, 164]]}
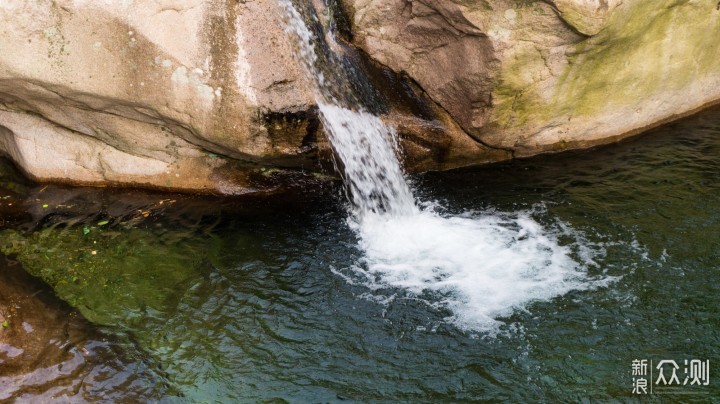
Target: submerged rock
{"points": [[49, 352], [197, 95]]}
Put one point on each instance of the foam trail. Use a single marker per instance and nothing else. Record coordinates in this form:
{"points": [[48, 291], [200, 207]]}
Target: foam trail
{"points": [[479, 267]]}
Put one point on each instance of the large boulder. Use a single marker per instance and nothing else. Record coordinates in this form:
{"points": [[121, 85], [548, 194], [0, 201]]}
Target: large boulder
{"points": [[161, 93], [532, 76]]}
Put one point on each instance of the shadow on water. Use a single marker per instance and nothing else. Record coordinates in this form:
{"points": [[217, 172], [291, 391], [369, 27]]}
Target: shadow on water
{"points": [[239, 299]]}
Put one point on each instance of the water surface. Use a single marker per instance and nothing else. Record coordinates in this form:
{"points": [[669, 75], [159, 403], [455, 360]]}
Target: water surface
{"points": [[258, 299]]}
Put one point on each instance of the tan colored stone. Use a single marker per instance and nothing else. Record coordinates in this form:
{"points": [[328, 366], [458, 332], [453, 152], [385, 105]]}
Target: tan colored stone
{"points": [[147, 93], [534, 77], [434, 43], [193, 95], [587, 16]]}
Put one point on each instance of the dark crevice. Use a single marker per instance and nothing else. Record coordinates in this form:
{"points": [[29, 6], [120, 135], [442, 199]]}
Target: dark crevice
{"points": [[400, 90], [339, 20], [311, 133]]}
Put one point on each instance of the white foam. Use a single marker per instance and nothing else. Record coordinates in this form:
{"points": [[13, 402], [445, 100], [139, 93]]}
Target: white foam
{"points": [[480, 268]]}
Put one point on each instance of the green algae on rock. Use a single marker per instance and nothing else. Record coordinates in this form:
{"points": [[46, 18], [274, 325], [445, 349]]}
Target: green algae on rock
{"points": [[650, 63], [564, 74], [109, 274]]}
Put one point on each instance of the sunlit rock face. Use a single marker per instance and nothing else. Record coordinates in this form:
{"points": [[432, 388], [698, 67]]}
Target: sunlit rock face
{"points": [[539, 76], [197, 95], [162, 93]]}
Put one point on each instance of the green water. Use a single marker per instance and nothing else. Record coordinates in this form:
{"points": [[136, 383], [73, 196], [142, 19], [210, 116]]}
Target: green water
{"points": [[239, 300]]}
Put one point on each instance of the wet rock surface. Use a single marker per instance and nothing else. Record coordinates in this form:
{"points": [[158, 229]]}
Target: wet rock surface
{"points": [[48, 351]]}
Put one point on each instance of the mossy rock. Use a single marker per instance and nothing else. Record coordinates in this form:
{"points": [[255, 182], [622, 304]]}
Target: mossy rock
{"points": [[111, 274]]}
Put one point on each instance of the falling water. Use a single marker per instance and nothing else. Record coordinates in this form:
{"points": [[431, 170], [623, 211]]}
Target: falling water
{"points": [[363, 143], [478, 266]]}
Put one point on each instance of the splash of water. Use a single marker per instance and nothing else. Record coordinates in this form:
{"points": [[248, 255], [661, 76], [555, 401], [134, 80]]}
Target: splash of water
{"points": [[479, 267]]}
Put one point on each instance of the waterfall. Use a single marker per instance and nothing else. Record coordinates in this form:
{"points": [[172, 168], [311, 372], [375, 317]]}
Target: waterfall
{"points": [[366, 146], [480, 267]]}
